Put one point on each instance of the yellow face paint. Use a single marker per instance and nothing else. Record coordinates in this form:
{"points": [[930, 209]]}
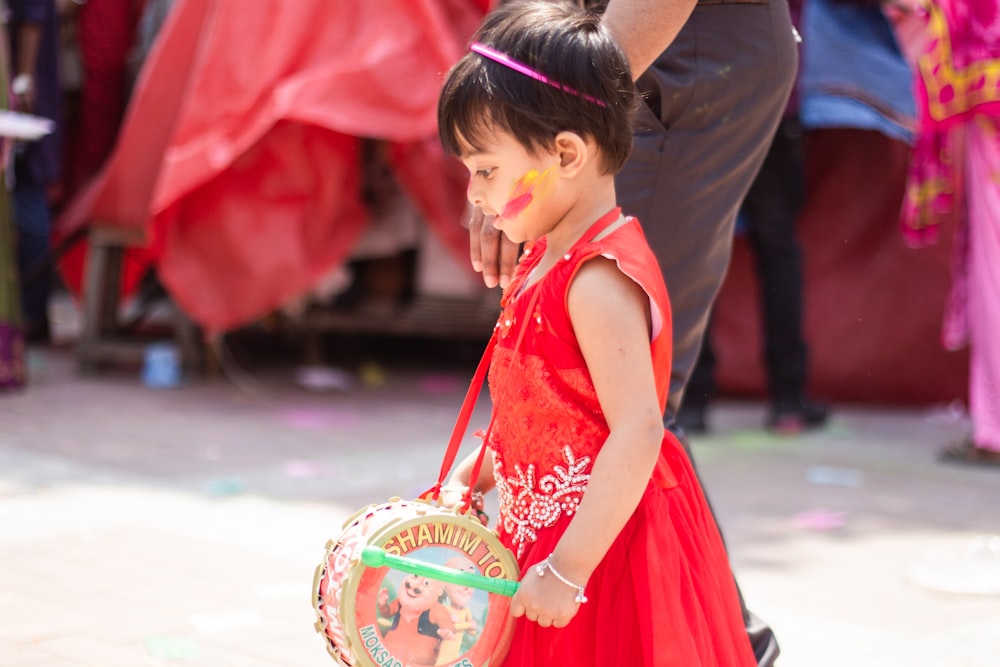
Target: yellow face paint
{"points": [[526, 188]]}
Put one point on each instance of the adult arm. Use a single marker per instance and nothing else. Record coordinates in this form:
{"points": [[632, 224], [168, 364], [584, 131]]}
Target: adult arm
{"points": [[645, 28], [462, 473], [26, 58], [28, 17]]}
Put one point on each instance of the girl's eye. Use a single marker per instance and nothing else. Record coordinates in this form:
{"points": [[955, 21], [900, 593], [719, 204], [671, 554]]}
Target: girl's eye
{"points": [[485, 173]]}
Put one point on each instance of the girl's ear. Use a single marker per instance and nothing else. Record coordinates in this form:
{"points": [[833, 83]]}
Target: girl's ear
{"points": [[573, 153]]}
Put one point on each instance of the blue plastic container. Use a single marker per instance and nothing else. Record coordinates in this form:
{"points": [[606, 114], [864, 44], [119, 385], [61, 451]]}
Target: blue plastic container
{"points": [[161, 367]]}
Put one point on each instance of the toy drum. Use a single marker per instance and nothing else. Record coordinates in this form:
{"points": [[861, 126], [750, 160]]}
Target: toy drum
{"points": [[383, 617]]}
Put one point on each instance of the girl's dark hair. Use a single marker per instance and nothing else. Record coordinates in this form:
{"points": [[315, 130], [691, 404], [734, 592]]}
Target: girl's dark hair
{"points": [[566, 44]]}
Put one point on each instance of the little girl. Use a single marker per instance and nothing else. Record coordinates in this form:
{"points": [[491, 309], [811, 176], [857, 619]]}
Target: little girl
{"points": [[622, 562]]}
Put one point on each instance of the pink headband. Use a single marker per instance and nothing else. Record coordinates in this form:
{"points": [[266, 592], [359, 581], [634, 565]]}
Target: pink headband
{"points": [[521, 68]]}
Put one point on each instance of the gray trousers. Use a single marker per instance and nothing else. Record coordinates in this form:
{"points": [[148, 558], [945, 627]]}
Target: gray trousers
{"points": [[713, 102], [714, 99]]}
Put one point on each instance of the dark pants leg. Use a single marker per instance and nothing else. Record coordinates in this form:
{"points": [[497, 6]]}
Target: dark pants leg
{"points": [[715, 98], [771, 208], [701, 385], [33, 221]]}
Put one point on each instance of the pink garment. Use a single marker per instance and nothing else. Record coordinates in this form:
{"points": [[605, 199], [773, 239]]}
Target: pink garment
{"points": [[955, 176], [983, 312]]}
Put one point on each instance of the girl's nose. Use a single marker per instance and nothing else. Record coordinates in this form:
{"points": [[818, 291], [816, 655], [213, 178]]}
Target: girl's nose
{"points": [[474, 194]]}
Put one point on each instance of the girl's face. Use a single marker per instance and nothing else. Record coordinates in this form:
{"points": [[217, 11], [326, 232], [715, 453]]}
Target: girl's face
{"points": [[508, 182]]}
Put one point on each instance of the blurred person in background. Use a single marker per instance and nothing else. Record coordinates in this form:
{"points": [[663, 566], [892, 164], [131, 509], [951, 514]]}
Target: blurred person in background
{"points": [[104, 33], [11, 333], [768, 217], [954, 178], [34, 59]]}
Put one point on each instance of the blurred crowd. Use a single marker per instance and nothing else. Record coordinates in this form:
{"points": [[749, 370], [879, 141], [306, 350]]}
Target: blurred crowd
{"points": [[72, 61], [76, 62]]}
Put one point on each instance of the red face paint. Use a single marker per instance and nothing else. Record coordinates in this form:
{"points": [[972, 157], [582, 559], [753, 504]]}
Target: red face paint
{"points": [[516, 205], [523, 192]]}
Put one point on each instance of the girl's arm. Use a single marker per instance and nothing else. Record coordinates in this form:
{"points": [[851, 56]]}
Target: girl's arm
{"points": [[461, 473], [453, 492], [25, 60], [610, 315]]}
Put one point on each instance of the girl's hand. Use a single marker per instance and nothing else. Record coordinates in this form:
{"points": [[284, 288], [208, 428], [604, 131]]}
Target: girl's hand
{"points": [[454, 496], [451, 496], [544, 600]]}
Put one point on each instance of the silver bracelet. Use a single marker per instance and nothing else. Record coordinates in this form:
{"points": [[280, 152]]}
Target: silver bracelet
{"points": [[547, 565]]}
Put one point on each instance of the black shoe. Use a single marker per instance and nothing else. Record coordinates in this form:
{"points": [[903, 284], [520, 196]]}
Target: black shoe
{"points": [[691, 418], [793, 417]]}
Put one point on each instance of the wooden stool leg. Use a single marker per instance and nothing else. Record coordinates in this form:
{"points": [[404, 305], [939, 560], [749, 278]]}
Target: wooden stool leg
{"points": [[192, 351], [103, 339], [100, 303]]}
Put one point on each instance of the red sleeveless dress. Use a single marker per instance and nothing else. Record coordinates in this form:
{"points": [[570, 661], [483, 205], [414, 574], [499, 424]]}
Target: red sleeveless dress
{"points": [[664, 593]]}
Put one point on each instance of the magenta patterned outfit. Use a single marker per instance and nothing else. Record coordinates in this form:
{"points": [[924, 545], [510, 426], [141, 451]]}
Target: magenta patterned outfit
{"points": [[955, 177]]}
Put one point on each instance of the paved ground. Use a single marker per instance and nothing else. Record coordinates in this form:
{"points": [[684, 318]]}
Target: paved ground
{"points": [[144, 526]]}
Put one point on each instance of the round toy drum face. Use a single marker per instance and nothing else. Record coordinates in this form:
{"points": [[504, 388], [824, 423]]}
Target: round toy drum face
{"points": [[420, 621], [380, 616]]}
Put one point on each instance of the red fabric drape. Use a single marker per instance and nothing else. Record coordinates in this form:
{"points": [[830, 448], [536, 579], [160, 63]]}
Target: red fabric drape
{"points": [[238, 155]]}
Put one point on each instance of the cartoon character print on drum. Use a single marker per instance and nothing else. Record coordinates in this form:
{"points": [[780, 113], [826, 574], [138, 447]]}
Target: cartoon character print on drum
{"points": [[387, 618], [417, 621], [423, 622], [457, 603]]}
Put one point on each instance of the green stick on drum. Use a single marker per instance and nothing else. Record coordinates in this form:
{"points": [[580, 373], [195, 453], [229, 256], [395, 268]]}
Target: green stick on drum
{"points": [[373, 556]]}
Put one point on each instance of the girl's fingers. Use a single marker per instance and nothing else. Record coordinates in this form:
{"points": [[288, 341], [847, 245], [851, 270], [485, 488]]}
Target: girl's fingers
{"points": [[516, 608]]}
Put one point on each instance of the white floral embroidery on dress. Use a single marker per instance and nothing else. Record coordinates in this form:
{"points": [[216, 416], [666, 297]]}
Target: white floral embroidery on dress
{"points": [[525, 507]]}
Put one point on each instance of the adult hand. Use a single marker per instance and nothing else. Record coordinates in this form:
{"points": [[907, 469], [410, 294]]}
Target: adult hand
{"points": [[492, 253]]}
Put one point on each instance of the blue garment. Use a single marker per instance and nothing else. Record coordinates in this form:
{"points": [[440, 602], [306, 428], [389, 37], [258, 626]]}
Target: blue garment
{"points": [[36, 163], [34, 228], [853, 73], [41, 158]]}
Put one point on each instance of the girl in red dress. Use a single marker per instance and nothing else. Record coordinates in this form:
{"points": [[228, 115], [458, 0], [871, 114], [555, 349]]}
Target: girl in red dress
{"points": [[622, 562]]}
